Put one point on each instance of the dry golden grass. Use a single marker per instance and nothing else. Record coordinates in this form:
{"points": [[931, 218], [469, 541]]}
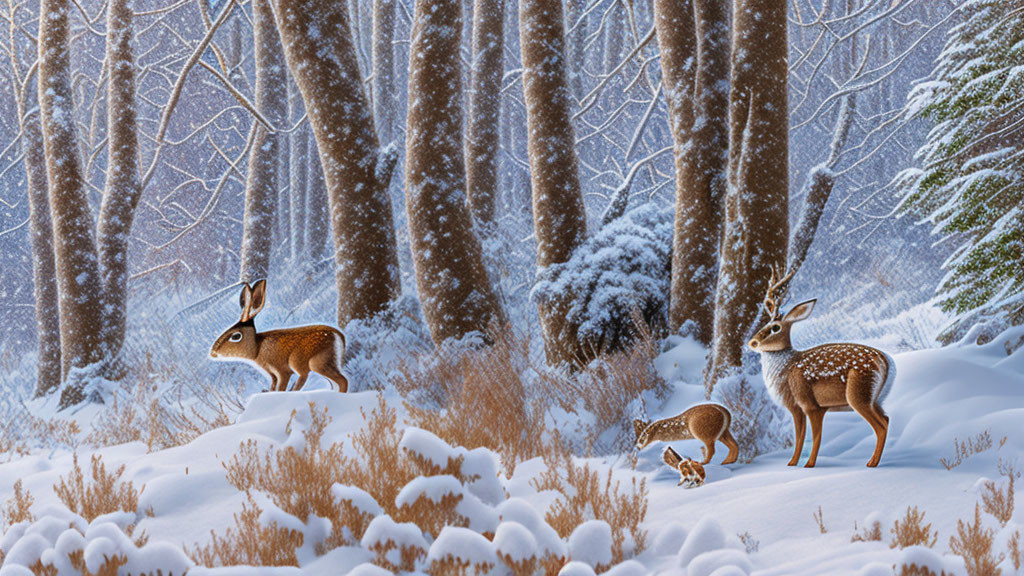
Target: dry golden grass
{"points": [[819, 519], [18, 506], [103, 494], [998, 501], [872, 533], [973, 542], [250, 543], [450, 566], [475, 398], [1016, 551], [912, 531], [915, 570], [583, 495], [32, 432], [964, 449], [407, 556]]}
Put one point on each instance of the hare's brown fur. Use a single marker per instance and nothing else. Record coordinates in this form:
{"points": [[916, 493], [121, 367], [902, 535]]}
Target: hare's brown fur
{"points": [[281, 353], [708, 423]]}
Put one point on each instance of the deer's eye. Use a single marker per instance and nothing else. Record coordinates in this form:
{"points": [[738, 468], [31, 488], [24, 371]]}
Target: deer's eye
{"points": [[236, 337], [775, 329]]}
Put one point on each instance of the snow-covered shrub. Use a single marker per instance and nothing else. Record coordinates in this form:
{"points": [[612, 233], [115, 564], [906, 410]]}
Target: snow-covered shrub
{"points": [[18, 507], [64, 543], [397, 547], [758, 424], [591, 543], [516, 547], [252, 542], [460, 551], [583, 495], [623, 267], [709, 549], [974, 543], [911, 530]]}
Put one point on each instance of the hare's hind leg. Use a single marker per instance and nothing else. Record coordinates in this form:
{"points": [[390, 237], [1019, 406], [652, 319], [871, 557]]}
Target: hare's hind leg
{"points": [[734, 447], [326, 366]]}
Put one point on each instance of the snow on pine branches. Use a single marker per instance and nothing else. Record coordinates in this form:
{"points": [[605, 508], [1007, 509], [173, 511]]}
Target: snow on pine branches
{"points": [[626, 265]]}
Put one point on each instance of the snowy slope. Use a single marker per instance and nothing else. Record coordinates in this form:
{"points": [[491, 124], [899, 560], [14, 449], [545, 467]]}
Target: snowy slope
{"points": [[939, 395]]}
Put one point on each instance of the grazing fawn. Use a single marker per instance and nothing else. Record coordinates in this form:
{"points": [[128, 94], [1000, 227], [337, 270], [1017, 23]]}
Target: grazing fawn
{"points": [[691, 472], [280, 353], [705, 422], [811, 382]]}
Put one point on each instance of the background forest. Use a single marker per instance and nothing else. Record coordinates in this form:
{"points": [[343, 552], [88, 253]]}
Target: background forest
{"points": [[530, 218]]}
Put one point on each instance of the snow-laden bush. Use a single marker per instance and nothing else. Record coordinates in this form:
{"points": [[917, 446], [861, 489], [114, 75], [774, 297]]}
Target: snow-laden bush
{"points": [[625, 266], [758, 423]]}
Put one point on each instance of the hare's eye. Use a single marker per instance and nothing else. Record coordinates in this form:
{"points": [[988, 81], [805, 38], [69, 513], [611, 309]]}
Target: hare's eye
{"points": [[775, 329], [236, 337]]}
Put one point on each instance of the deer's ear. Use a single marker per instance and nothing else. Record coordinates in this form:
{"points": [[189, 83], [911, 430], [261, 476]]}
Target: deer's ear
{"points": [[638, 427], [245, 301], [800, 312], [259, 298], [671, 458]]}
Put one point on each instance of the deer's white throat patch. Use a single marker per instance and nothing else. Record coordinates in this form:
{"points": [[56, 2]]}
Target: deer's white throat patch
{"points": [[773, 369]]}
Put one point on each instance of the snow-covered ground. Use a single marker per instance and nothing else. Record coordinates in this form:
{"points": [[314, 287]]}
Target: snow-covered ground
{"points": [[939, 395]]}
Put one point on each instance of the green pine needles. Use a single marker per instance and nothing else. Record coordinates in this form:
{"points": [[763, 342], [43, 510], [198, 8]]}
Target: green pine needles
{"points": [[971, 183]]}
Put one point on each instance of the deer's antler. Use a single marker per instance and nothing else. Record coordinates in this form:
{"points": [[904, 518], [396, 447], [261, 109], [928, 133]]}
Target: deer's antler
{"points": [[776, 292]]}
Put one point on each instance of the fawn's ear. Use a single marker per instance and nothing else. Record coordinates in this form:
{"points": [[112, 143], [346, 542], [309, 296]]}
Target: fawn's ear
{"points": [[245, 300], [639, 426], [259, 298], [800, 312]]}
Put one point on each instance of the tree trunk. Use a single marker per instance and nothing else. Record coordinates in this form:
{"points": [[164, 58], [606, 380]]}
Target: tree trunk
{"points": [[483, 141], [757, 211], [320, 52], [317, 213], [614, 36], [123, 188], [298, 179], [261, 181], [576, 31], [44, 273], [77, 262], [384, 68], [693, 39], [559, 217], [455, 292]]}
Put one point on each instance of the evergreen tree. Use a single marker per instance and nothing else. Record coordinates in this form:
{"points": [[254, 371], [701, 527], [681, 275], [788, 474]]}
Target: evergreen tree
{"points": [[971, 183]]}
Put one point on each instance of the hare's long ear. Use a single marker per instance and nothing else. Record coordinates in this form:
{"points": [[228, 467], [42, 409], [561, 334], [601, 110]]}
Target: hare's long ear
{"points": [[245, 300], [800, 312], [259, 298]]}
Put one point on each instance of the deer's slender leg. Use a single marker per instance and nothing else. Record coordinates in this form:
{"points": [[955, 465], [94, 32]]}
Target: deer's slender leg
{"points": [[709, 451], [881, 432], [283, 379], [800, 424], [816, 416], [734, 448]]}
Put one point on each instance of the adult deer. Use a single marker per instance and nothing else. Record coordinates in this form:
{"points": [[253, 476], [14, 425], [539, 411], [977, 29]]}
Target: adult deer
{"points": [[811, 382]]}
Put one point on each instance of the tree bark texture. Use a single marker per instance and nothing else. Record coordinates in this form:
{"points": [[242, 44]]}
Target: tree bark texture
{"points": [[384, 104], [559, 217], [320, 52], [484, 138], [455, 291]]}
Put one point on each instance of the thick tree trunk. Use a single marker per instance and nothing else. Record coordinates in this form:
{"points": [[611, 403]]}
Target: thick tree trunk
{"points": [[44, 273], [77, 262], [261, 182], [123, 188], [757, 211], [455, 292], [298, 176], [693, 39], [384, 68], [320, 52], [614, 36], [484, 138], [559, 217]]}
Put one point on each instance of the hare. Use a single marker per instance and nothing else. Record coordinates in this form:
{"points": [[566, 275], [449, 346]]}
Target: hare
{"points": [[705, 422], [691, 472], [811, 382], [279, 353]]}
